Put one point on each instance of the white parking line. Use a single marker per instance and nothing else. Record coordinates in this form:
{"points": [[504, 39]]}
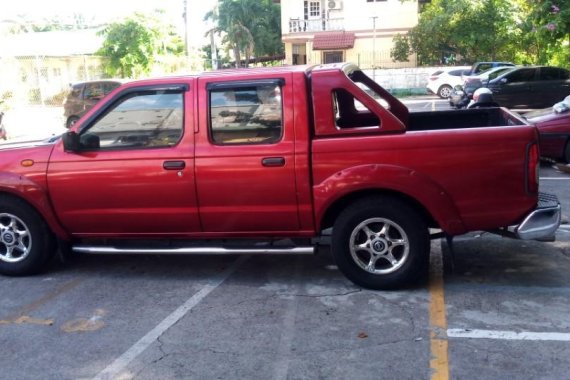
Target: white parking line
{"points": [[281, 366], [114, 369], [507, 335], [555, 178]]}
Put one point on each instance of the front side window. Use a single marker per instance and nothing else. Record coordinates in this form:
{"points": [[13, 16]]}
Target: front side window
{"points": [[248, 114], [522, 75], [143, 120]]}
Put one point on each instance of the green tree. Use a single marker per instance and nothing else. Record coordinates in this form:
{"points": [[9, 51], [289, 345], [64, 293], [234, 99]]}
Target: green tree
{"points": [[401, 50], [548, 24], [134, 45], [471, 29], [249, 27]]}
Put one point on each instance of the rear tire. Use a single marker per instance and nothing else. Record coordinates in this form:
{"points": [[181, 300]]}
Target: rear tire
{"points": [[26, 244], [381, 243], [567, 152], [444, 91]]}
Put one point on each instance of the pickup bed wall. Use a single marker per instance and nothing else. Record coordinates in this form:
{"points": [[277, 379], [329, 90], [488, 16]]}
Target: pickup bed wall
{"points": [[459, 119]]}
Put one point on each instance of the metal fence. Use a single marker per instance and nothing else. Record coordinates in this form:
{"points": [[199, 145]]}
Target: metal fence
{"points": [[45, 80], [42, 80]]}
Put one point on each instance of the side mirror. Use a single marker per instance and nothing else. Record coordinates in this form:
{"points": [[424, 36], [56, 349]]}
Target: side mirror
{"points": [[70, 141], [504, 80]]}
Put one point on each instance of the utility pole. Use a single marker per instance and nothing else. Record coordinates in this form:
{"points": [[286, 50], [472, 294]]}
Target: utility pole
{"points": [[374, 47], [185, 16]]}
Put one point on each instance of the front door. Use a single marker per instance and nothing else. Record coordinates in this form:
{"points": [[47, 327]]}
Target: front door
{"points": [[134, 172], [245, 168]]}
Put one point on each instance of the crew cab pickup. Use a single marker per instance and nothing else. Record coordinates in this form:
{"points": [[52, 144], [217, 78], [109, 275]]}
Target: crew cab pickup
{"points": [[264, 161]]}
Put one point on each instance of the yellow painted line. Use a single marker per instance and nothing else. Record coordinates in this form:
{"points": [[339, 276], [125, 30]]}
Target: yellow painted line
{"points": [[439, 363], [22, 317]]}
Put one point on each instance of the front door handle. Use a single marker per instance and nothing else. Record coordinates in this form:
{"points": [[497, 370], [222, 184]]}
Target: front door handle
{"points": [[273, 161], [174, 165]]}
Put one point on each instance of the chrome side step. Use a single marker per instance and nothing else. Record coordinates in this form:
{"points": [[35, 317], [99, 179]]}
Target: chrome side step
{"points": [[195, 250]]}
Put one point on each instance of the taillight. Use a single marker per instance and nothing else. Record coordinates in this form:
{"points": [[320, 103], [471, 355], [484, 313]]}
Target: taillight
{"points": [[533, 168]]}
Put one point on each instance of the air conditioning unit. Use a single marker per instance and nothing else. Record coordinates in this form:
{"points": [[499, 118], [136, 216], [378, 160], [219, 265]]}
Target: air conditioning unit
{"points": [[335, 4]]}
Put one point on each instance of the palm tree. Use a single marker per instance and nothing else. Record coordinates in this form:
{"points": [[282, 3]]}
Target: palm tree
{"points": [[244, 22]]}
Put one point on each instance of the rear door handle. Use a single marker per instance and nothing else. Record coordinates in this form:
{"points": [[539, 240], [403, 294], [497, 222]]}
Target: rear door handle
{"points": [[273, 161], [174, 165]]}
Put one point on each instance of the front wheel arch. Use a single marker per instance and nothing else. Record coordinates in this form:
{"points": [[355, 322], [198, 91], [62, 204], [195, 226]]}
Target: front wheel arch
{"points": [[26, 243]]}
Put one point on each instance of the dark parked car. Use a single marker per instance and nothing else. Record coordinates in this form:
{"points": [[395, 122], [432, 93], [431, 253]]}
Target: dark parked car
{"points": [[531, 87], [83, 96], [553, 125], [480, 67]]}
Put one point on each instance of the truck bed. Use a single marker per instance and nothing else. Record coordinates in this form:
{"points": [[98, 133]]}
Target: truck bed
{"points": [[460, 119]]}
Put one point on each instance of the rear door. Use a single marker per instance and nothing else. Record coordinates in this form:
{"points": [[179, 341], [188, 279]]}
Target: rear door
{"points": [[552, 86], [245, 156], [517, 89]]}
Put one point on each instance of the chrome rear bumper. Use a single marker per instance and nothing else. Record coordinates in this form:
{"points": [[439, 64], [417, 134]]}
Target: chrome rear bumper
{"points": [[543, 221]]}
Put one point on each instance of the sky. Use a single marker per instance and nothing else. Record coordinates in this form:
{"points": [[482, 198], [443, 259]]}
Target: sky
{"points": [[109, 10]]}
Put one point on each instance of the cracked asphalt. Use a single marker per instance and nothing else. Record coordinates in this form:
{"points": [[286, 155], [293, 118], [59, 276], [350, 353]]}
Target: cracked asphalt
{"points": [[291, 317]]}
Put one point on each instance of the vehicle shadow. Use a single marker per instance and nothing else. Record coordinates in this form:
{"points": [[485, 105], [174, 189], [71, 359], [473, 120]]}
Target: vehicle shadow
{"points": [[489, 259], [256, 269]]}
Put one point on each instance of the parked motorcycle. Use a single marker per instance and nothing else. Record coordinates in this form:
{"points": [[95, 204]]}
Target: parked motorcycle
{"points": [[3, 134], [466, 96]]}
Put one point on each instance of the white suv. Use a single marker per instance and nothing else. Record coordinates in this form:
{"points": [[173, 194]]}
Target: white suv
{"points": [[442, 81]]}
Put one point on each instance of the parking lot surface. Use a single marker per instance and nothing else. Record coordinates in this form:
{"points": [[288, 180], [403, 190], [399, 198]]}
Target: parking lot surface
{"points": [[493, 308]]}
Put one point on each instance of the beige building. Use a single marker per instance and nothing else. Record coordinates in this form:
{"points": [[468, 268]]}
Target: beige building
{"points": [[358, 31]]}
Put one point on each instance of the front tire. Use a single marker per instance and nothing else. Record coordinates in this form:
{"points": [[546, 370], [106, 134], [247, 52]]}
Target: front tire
{"points": [[25, 241], [381, 243], [567, 152]]}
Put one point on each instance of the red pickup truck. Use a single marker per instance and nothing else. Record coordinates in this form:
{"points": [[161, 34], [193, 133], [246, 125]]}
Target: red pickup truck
{"points": [[264, 161]]}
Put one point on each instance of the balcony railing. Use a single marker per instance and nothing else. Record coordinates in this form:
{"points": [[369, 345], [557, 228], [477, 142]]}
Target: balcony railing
{"points": [[299, 26]]}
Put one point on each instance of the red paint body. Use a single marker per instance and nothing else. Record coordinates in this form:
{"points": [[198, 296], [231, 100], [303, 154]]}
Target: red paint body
{"points": [[554, 131], [463, 178]]}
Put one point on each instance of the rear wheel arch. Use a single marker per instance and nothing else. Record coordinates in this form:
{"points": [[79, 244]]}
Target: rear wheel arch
{"points": [[334, 210]]}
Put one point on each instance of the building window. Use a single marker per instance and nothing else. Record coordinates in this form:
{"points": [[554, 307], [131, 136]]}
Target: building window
{"points": [[314, 8], [299, 54], [332, 56]]}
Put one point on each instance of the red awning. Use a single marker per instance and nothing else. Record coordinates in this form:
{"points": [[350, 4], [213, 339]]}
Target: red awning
{"points": [[333, 41]]}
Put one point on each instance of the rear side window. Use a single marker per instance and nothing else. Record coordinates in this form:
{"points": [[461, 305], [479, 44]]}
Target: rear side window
{"points": [[108, 87], [246, 114], [482, 67], [455, 73], [551, 73]]}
